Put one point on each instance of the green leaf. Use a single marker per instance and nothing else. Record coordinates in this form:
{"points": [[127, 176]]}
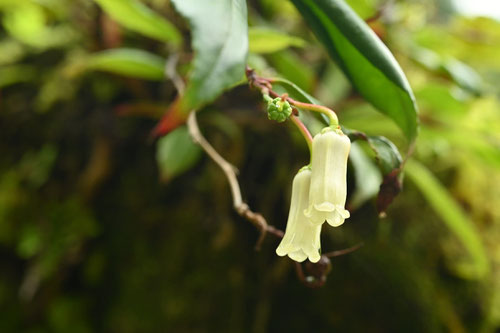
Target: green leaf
{"points": [[137, 17], [454, 217], [13, 74], [220, 40], [294, 91], [176, 153], [365, 60], [263, 40], [386, 153], [389, 161], [129, 62]]}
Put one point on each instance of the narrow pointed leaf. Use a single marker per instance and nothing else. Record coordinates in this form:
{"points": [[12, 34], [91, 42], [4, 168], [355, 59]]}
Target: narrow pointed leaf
{"points": [[363, 57], [128, 62], [134, 15]]}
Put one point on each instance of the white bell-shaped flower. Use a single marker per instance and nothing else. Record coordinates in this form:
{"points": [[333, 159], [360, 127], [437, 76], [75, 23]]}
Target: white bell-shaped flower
{"points": [[328, 190], [302, 238]]}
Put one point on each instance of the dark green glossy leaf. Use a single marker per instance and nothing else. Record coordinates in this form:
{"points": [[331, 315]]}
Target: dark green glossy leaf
{"points": [[387, 154], [367, 62], [176, 153], [129, 62], [220, 40], [389, 161], [134, 15]]}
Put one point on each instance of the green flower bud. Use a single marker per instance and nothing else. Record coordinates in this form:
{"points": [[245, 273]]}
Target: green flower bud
{"points": [[278, 110]]}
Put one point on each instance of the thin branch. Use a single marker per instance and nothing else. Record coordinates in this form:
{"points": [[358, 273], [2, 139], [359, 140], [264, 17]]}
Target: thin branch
{"points": [[343, 251], [230, 171], [171, 73]]}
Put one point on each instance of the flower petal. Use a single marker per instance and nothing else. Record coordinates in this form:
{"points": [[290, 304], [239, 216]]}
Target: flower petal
{"points": [[302, 238], [328, 189]]}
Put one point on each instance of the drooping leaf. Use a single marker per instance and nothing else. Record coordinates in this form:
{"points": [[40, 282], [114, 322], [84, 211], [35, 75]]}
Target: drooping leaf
{"points": [[176, 153], [129, 62], [220, 40], [263, 40], [454, 217], [365, 60], [389, 161], [387, 154], [134, 15]]}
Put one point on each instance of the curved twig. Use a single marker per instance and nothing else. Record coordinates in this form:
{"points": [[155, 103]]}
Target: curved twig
{"points": [[230, 171]]}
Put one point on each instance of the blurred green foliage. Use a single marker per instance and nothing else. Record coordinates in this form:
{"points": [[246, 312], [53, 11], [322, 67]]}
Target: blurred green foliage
{"points": [[102, 230]]}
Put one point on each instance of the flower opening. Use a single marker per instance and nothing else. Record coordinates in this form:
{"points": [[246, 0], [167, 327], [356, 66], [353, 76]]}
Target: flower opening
{"points": [[302, 238]]}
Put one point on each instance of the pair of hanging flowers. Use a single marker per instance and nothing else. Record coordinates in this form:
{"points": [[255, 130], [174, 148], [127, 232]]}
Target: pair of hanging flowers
{"points": [[319, 190]]}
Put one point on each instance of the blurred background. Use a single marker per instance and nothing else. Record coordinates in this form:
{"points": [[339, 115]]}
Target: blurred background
{"points": [[104, 230]]}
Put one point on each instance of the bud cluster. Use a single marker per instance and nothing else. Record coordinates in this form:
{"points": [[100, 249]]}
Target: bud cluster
{"points": [[278, 109]]}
